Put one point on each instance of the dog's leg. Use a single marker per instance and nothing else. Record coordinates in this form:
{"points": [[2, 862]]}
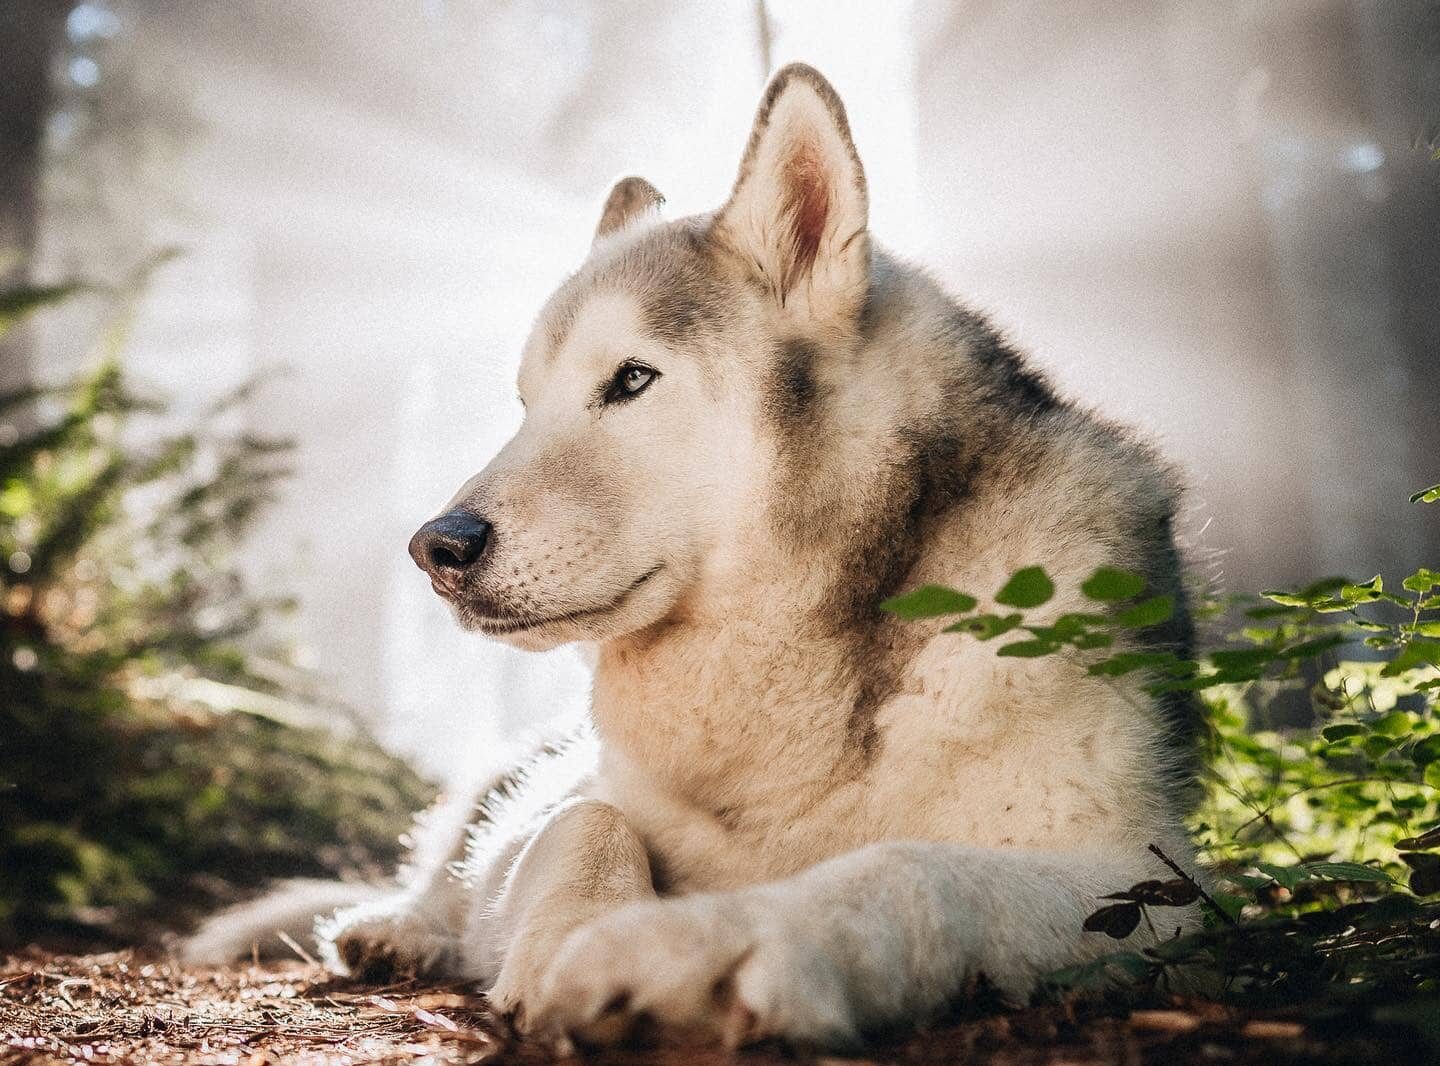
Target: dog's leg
{"points": [[516, 904], [423, 929], [585, 861], [412, 931], [889, 933]]}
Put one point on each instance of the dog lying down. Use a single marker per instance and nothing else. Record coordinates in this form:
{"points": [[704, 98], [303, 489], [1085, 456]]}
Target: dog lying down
{"points": [[792, 814]]}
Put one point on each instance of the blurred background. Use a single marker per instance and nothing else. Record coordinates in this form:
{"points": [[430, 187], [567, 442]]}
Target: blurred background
{"points": [[1218, 220]]}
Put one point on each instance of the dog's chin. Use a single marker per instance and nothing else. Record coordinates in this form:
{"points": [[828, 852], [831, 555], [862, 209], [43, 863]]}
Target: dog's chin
{"points": [[634, 608]]}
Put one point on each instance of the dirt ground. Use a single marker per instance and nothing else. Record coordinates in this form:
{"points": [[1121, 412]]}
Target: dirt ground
{"points": [[135, 1008]]}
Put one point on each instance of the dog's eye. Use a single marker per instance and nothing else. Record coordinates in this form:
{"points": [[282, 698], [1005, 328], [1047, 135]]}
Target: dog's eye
{"points": [[629, 381]]}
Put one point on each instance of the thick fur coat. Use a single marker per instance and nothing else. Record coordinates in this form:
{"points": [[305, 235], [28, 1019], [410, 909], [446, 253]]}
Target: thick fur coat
{"points": [[793, 814]]}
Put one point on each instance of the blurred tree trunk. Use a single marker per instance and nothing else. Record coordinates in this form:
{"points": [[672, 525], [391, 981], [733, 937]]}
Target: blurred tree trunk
{"points": [[31, 32], [1400, 42]]}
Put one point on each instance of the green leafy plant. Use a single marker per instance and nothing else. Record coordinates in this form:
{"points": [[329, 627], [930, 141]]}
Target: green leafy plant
{"points": [[120, 597], [1325, 836]]}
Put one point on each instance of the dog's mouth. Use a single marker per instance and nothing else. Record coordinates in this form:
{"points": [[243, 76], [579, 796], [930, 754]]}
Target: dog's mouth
{"points": [[508, 625]]}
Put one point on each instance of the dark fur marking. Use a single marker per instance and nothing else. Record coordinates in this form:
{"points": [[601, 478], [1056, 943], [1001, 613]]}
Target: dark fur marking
{"points": [[987, 430], [929, 478], [689, 304], [1007, 379], [729, 817], [936, 477], [793, 393], [862, 736], [934, 463], [1182, 712], [671, 272]]}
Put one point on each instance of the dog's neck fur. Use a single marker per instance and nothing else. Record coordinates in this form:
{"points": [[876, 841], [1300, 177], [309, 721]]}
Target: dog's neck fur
{"points": [[707, 699]]}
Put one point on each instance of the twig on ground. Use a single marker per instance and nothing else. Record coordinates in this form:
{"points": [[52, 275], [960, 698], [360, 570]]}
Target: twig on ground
{"points": [[1155, 850], [295, 946]]}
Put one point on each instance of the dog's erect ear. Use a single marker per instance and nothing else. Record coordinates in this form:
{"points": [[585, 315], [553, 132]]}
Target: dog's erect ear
{"points": [[630, 199], [798, 212]]}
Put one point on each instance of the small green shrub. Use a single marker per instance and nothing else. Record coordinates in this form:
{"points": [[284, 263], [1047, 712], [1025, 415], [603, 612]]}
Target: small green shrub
{"points": [[120, 796], [1326, 836]]}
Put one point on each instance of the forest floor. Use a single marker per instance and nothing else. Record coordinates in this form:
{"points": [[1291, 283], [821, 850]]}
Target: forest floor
{"points": [[143, 1009]]}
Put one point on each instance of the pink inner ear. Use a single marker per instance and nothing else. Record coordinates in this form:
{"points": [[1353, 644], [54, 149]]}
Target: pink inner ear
{"points": [[807, 205]]}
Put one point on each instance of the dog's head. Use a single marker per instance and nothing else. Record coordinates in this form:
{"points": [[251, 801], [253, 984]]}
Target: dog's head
{"points": [[657, 384]]}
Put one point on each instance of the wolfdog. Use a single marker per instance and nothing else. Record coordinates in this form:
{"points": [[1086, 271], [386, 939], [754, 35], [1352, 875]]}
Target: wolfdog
{"points": [[791, 813]]}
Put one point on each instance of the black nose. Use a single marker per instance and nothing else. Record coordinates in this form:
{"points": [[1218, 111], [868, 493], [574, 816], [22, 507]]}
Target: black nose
{"points": [[445, 547]]}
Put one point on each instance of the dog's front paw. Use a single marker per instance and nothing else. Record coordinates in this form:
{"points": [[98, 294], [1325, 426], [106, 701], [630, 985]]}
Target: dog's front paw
{"points": [[388, 945], [530, 955], [723, 967]]}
